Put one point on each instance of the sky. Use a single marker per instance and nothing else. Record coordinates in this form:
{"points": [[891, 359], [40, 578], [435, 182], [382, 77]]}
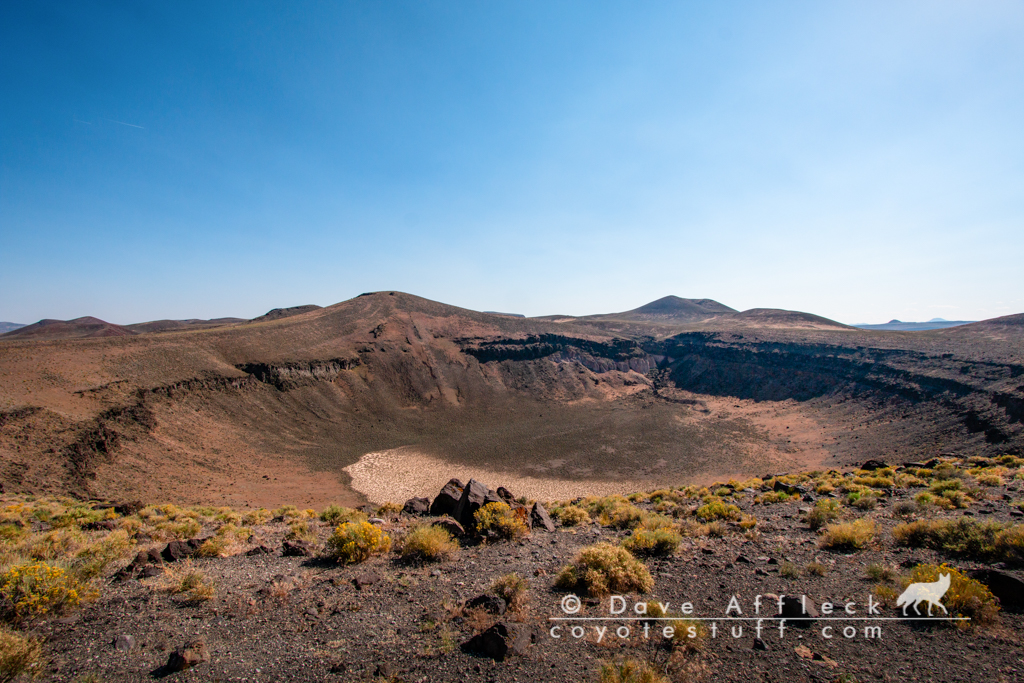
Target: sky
{"points": [[858, 160]]}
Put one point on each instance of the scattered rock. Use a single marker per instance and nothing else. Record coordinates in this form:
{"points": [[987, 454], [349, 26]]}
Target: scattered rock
{"points": [[759, 644], [539, 518], [801, 612], [181, 550], [377, 521], [505, 495], [499, 641], [872, 465], [364, 579], [127, 509], [473, 498], [188, 656], [151, 570], [260, 550], [124, 643], [101, 525], [447, 501], [743, 559], [451, 526], [491, 604], [416, 506], [385, 670], [296, 549]]}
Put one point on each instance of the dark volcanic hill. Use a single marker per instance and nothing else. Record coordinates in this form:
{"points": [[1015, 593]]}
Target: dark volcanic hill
{"points": [[176, 325], [69, 329], [670, 309], [278, 313], [273, 410]]}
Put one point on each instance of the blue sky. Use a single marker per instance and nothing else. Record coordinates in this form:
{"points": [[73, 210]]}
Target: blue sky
{"points": [[862, 161]]}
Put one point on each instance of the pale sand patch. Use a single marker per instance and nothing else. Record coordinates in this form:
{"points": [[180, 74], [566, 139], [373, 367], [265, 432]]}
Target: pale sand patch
{"points": [[402, 473]]}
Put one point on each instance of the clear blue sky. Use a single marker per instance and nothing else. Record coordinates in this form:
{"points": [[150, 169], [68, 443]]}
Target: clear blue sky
{"points": [[860, 160]]}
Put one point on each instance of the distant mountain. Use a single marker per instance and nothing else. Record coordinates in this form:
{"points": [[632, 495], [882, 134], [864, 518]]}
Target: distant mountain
{"points": [[900, 326], [9, 327], [278, 313], [190, 324], [79, 328], [669, 309], [511, 315]]}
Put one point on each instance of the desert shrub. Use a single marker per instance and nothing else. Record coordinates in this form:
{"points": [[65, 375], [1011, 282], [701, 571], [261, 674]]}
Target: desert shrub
{"points": [[816, 569], [788, 570], [79, 515], [943, 485], [227, 516], [286, 512], [953, 500], [716, 509], [427, 543], [356, 542], [389, 510], [599, 569], [773, 497], [867, 502], [875, 482], [186, 581], [716, 529], [748, 522], [904, 508], [58, 543], [511, 588], [1009, 545], [853, 535], [825, 511], [879, 572], [18, 655], [986, 540], [924, 499], [34, 590], [990, 480], [257, 517], [625, 516], [226, 541], [723, 491], [659, 542], [301, 530], [500, 520], [338, 514], [824, 488], [10, 534], [630, 671], [966, 597], [571, 515], [185, 527], [92, 560], [885, 593]]}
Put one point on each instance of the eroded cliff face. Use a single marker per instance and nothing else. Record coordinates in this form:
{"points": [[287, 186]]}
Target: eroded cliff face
{"points": [[590, 405]]}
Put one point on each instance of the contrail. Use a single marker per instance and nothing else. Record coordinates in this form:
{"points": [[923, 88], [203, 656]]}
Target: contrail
{"points": [[125, 124]]}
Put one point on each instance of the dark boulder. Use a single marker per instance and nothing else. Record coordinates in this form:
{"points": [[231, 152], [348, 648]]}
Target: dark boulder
{"points": [[1005, 586], [872, 465], [296, 549], [416, 506], [801, 611], [473, 498], [181, 550], [491, 604], [188, 656], [451, 526], [505, 495], [499, 641], [539, 518], [260, 550], [447, 500]]}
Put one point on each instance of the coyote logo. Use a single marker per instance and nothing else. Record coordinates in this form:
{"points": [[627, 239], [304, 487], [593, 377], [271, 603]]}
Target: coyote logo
{"points": [[931, 593]]}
